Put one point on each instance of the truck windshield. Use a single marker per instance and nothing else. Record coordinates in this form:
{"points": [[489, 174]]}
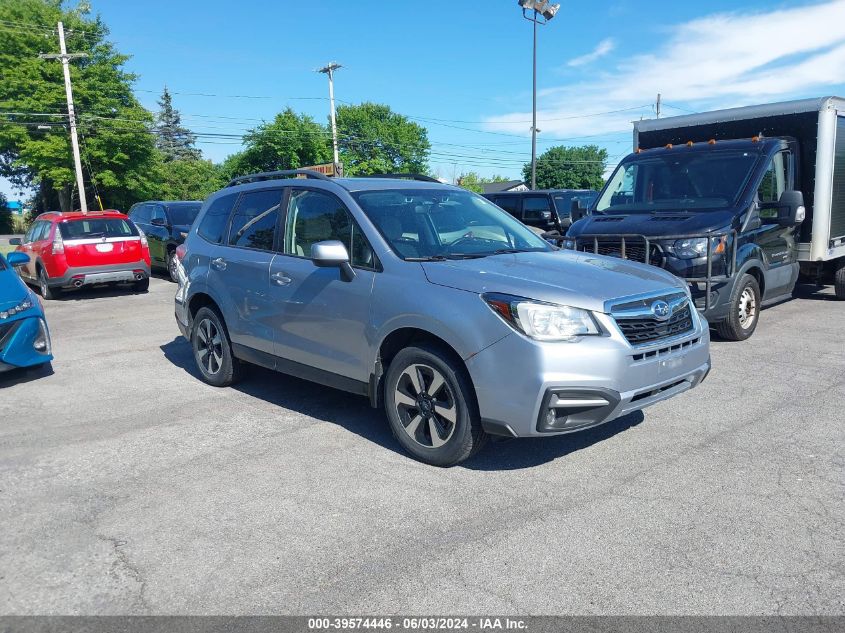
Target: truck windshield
{"points": [[437, 224], [698, 180]]}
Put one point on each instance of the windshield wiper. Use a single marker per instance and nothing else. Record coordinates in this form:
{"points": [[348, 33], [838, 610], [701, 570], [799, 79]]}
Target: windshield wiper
{"points": [[450, 256]]}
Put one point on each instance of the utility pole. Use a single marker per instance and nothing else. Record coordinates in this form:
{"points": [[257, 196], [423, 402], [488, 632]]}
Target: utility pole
{"points": [[657, 106], [65, 58], [329, 69]]}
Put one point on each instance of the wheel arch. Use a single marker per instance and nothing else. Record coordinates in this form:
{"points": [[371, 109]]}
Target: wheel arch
{"points": [[400, 338]]}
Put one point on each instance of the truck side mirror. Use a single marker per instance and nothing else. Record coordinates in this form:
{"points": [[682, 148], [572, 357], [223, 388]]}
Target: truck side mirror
{"points": [[577, 211], [791, 211]]}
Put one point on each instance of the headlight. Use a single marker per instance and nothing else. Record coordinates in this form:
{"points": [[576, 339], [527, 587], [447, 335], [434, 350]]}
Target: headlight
{"points": [[543, 321], [693, 247], [26, 304], [568, 243]]}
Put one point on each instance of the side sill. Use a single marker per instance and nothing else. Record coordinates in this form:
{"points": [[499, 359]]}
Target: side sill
{"points": [[299, 370]]}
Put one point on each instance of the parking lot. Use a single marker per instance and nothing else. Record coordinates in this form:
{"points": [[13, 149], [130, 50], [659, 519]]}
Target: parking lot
{"points": [[129, 486]]}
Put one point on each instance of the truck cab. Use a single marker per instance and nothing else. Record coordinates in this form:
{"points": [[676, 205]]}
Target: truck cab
{"points": [[724, 215]]}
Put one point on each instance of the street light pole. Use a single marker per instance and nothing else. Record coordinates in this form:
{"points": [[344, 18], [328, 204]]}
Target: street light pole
{"points": [[329, 70], [65, 58], [546, 10]]}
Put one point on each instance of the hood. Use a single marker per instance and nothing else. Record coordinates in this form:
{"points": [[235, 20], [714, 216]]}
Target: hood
{"points": [[12, 288], [581, 280], [654, 224]]}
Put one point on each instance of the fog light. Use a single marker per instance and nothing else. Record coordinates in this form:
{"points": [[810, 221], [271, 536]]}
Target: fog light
{"points": [[42, 342]]}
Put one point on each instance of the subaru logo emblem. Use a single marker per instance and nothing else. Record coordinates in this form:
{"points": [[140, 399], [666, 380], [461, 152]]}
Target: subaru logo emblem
{"points": [[660, 309]]}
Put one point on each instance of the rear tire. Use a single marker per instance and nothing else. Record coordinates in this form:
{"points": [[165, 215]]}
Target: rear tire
{"points": [[213, 349], [431, 406], [744, 313], [142, 286], [47, 293], [839, 280]]}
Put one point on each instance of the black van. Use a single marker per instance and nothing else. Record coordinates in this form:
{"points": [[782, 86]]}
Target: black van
{"points": [[545, 209], [736, 202]]}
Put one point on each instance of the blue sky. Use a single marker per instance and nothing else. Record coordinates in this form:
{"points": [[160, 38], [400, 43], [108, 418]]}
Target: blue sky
{"points": [[462, 68]]}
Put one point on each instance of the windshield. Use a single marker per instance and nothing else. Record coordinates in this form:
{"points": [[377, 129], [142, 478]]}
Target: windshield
{"points": [[697, 180], [183, 214], [99, 227], [563, 201], [445, 224]]}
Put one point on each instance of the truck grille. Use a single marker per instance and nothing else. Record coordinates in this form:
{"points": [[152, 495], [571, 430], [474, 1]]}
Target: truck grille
{"points": [[632, 248], [649, 329]]}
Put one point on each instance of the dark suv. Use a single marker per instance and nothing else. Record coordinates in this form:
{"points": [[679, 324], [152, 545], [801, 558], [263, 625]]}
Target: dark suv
{"points": [[547, 210], [166, 225]]}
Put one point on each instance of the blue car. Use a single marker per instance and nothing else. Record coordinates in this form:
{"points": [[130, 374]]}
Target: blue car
{"points": [[24, 337]]}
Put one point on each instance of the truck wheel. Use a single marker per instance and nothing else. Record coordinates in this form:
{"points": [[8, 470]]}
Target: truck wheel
{"points": [[431, 407], [47, 293], [744, 311], [839, 280], [213, 350]]}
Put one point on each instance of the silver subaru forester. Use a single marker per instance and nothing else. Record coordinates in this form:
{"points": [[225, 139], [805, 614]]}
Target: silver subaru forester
{"points": [[435, 304]]}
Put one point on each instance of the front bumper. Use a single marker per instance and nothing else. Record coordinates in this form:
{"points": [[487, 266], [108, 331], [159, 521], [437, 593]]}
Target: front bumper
{"points": [[110, 274], [24, 342], [519, 381]]}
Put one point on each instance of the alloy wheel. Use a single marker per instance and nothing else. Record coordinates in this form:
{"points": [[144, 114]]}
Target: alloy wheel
{"points": [[426, 405], [209, 346], [747, 308]]}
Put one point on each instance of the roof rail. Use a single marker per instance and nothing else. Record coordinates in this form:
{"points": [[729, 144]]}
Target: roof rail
{"points": [[273, 175], [420, 177]]}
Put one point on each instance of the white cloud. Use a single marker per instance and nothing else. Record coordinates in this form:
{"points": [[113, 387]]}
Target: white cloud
{"points": [[603, 48], [715, 61]]}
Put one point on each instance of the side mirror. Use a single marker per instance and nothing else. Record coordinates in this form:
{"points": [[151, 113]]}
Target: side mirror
{"points": [[15, 241], [17, 259], [158, 222], [791, 211], [332, 254], [578, 210]]}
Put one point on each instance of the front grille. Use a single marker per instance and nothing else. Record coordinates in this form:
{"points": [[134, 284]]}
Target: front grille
{"points": [[649, 329], [634, 249]]}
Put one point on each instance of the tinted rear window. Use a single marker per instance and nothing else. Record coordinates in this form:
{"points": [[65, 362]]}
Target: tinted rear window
{"points": [[97, 227], [184, 214], [213, 222]]}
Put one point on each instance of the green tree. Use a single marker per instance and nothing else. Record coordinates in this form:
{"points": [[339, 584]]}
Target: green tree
{"points": [[373, 139], [290, 141], [173, 140], [189, 179], [116, 142], [564, 167], [472, 181], [7, 224]]}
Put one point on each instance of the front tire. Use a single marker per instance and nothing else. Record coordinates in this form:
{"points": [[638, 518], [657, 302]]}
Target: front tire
{"points": [[171, 266], [431, 406], [213, 349], [744, 313]]}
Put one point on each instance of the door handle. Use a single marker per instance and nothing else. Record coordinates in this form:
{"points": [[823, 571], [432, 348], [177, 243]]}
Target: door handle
{"points": [[280, 279], [218, 263]]}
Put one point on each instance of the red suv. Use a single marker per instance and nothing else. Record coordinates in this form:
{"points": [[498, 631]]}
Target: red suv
{"points": [[71, 250]]}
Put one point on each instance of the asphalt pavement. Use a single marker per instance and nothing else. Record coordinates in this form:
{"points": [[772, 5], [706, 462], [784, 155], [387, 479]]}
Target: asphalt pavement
{"points": [[127, 486]]}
